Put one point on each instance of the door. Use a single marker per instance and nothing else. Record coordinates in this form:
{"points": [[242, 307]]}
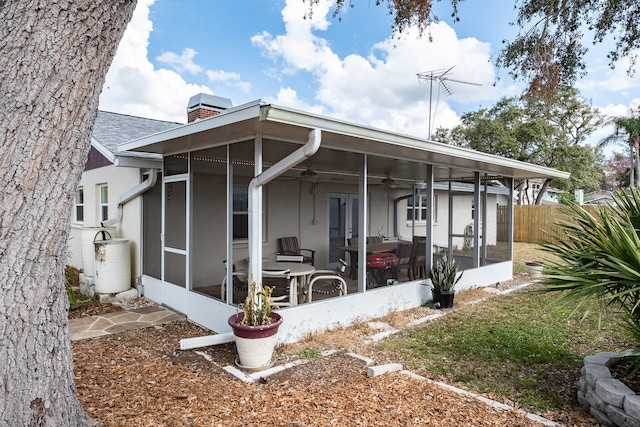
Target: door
{"points": [[175, 242], [343, 224]]}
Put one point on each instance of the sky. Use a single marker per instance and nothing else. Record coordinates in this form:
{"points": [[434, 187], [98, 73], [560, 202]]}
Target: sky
{"points": [[351, 67]]}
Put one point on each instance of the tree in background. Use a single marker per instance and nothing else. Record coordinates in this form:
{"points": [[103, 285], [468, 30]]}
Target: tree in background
{"points": [[549, 50], [618, 171], [55, 56], [627, 131], [547, 132]]}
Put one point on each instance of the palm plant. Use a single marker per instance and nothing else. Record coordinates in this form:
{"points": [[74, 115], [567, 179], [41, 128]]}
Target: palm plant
{"points": [[598, 261], [627, 129]]}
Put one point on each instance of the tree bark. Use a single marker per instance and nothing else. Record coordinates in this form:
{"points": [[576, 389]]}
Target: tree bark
{"points": [[54, 57], [543, 189]]}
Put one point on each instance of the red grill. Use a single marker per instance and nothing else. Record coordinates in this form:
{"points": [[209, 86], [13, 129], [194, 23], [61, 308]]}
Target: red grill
{"points": [[383, 267], [383, 260]]}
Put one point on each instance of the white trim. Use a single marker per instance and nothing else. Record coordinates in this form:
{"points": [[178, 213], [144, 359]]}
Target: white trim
{"points": [[232, 115], [76, 205], [103, 150], [251, 118]]}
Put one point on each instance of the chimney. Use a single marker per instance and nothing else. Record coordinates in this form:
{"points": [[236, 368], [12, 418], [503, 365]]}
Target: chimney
{"points": [[203, 105]]}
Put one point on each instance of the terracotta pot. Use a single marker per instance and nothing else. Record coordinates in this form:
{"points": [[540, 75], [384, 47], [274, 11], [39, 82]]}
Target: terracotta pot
{"points": [[255, 344]]}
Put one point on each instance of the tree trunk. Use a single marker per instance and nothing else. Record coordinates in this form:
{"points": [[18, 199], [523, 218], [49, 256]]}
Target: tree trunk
{"points": [[54, 59], [632, 170], [636, 163], [543, 189]]}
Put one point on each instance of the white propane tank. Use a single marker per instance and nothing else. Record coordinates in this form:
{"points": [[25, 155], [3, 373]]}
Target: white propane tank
{"points": [[113, 266], [88, 235]]}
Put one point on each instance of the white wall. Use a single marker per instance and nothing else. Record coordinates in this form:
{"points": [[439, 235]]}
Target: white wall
{"points": [[461, 218], [119, 181], [319, 316]]}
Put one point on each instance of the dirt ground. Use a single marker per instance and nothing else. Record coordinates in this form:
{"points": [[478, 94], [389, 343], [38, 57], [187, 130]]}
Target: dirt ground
{"points": [[141, 378]]}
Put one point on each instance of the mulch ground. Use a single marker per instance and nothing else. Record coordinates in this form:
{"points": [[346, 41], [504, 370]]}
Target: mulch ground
{"points": [[141, 378]]}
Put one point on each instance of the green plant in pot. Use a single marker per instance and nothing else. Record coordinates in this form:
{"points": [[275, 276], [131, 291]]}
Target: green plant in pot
{"points": [[255, 329], [444, 276]]}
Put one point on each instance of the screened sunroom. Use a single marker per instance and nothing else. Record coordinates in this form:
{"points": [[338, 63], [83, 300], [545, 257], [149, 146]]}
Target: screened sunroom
{"points": [[239, 187]]}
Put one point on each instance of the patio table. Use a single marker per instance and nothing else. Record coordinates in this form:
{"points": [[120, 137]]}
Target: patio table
{"points": [[299, 271]]}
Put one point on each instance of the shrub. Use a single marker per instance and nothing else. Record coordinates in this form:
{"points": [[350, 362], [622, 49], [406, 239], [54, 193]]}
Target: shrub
{"points": [[72, 282], [598, 261]]}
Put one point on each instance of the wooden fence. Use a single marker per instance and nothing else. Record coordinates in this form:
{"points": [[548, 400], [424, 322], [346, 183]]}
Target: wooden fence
{"points": [[535, 224]]}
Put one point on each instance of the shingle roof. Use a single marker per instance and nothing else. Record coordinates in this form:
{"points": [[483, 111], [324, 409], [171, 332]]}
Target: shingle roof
{"points": [[111, 129]]}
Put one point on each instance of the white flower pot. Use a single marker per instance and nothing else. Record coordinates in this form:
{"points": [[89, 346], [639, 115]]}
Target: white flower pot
{"points": [[534, 269], [255, 344]]}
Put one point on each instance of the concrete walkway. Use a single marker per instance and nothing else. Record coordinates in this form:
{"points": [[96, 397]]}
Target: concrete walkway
{"points": [[112, 323]]}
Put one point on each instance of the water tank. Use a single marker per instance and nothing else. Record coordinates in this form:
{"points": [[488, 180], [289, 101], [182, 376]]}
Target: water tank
{"points": [[88, 235], [113, 266]]}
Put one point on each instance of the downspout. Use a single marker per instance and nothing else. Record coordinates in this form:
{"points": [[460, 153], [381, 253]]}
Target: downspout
{"points": [[255, 207], [132, 194]]}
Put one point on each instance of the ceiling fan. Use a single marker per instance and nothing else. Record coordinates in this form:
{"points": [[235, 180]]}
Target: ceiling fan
{"points": [[391, 183], [309, 175], [388, 182]]}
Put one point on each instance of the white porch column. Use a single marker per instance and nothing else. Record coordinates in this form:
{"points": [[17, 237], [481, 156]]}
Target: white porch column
{"points": [[255, 196], [363, 225], [429, 230]]}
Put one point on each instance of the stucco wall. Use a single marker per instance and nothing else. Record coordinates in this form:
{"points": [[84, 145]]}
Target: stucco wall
{"points": [[119, 181], [461, 218]]}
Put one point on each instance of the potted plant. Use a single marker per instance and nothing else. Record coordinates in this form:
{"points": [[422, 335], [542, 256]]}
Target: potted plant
{"points": [[255, 329], [534, 269], [444, 277]]}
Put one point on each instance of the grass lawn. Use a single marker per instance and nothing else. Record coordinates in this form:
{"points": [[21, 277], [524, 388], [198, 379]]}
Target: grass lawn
{"points": [[518, 348]]}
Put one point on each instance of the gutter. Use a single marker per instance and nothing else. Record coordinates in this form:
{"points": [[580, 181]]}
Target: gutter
{"points": [[255, 199], [132, 194]]}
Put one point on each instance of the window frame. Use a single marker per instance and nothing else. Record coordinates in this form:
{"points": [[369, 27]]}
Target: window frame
{"points": [[103, 205], [78, 206], [422, 209], [242, 213]]}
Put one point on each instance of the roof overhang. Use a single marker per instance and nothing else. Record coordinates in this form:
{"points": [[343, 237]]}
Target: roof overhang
{"points": [[102, 150], [246, 121]]}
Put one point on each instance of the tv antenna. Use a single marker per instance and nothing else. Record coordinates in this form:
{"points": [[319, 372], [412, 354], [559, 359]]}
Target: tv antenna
{"points": [[443, 78]]}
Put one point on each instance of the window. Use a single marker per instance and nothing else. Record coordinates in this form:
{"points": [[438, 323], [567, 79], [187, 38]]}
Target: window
{"points": [[104, 202], [535, 189], [79, 205], [417, 208], [241, 213]]}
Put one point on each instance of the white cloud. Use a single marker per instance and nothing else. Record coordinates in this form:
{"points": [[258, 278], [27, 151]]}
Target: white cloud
{"points": [[229, 78], [133, 86], [602, 79], [222, 76], [289, 97], [382, 89], [181, 63]]}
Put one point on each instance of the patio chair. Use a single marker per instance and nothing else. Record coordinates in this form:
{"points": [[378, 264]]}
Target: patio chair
{"points": [[240, 280], [419, 258], [279, 280], [404, 252], [372, 240], [327, 282], [289, 247], [353, 258]]}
